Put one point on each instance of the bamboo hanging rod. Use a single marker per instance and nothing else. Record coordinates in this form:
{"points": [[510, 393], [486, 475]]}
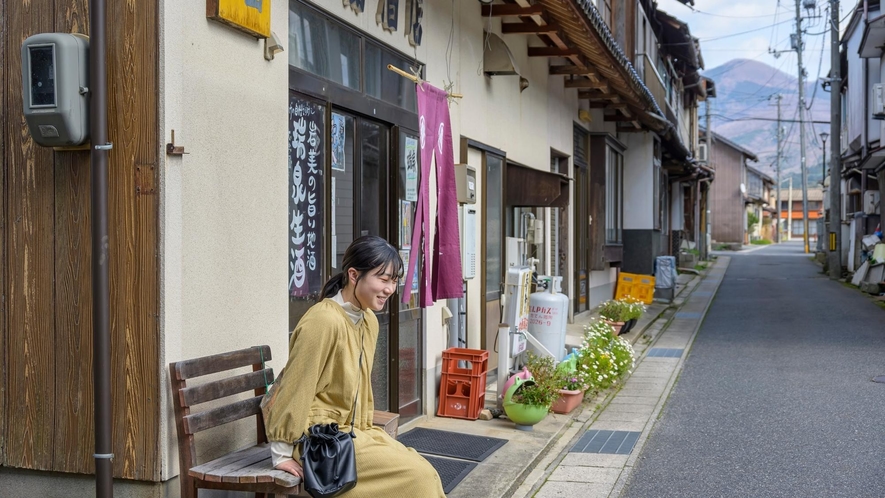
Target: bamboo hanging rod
{"points": [[412, 77]]}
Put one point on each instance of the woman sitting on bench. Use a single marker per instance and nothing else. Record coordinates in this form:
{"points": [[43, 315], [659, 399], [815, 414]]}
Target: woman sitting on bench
{"points": [[322, 378]]}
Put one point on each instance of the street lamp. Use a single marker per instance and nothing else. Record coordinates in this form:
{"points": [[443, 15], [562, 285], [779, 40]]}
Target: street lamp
{"points": [[823, 160]]}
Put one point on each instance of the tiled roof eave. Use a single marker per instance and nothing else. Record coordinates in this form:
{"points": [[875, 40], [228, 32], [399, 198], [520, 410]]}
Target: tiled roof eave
{"points": [[595, 18]]}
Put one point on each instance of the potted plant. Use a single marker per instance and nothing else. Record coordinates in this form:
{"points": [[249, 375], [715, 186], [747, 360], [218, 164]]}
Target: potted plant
{"points": [[635, 309], [603, 358], [528, 401], [570, 394], [615, 313], [621, 314]]}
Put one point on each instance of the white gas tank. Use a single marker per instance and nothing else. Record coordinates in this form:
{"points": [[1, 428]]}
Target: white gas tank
{"points": [[548, 316]]}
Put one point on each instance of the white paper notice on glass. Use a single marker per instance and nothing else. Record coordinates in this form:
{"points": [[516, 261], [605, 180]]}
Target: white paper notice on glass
{"points": [[411, 155]]}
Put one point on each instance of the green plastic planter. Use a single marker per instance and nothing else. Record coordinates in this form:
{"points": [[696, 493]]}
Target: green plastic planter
{"points": [[524, 416]]}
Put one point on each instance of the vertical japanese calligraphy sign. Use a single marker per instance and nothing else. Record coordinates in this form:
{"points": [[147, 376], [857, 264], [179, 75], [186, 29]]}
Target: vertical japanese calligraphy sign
{"points": [[307, 135]]}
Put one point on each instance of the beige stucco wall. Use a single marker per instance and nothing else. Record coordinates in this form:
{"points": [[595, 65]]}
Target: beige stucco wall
{"points": [[224, 219]]}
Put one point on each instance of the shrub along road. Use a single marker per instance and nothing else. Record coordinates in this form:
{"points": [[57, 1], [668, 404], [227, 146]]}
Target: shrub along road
{"points": [[775, 398]]}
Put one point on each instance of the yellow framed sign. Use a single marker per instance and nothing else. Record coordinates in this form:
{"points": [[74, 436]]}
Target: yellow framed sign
{"points": [[250, 16]]}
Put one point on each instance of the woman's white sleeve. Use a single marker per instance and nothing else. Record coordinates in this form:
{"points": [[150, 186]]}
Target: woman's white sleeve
{"points": [[281, 451]]}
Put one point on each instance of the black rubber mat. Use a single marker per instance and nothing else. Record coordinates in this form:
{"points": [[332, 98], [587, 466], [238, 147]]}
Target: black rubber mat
{"points": [[451, 444], [450, 471]]}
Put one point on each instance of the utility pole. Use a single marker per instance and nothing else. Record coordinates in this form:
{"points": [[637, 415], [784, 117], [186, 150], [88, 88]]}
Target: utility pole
{"points": [[834, 258], [802, 125], [790, 212], [777, 212]]}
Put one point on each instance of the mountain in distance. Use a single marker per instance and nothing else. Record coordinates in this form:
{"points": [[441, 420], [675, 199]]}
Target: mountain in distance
{"points": [[746, 90]]}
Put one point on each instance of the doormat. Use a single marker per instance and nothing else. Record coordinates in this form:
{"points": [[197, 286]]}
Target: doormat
{"points": [[451, 444], [450, 471]]}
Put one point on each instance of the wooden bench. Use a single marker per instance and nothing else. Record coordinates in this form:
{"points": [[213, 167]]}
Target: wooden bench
{"points": [[249, 469]]}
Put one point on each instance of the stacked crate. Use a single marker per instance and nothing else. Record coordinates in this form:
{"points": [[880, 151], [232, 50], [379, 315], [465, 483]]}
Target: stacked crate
{"points": [[462, 388]]}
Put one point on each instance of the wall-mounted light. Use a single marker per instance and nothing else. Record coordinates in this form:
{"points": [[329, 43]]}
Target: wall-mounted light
{"points": [[272, 46]]}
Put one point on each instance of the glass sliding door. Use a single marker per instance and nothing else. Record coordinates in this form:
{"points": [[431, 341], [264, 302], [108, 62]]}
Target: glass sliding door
{"points": [[409, 336], [493, 233]]}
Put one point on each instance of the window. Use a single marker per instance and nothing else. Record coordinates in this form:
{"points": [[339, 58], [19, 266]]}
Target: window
{"points": [[494, 193], [386, 85], [614, 207], [326, 48], [605, 8], [323, 47], [799, 228], [656, 189]]}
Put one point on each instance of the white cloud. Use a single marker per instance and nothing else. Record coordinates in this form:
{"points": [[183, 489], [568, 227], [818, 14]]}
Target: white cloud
{"points": [[715, 20]]}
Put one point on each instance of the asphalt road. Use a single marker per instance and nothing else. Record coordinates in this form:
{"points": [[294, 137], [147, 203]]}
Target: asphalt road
{"points": [[775, 398]]}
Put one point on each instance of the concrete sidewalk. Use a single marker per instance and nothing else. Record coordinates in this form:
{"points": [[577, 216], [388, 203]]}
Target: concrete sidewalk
{"points": [[587, 471], [517, 466]]}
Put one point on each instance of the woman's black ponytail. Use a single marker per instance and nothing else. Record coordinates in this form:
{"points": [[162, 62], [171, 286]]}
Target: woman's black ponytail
{"points": [[364, 254], [333, 286]]}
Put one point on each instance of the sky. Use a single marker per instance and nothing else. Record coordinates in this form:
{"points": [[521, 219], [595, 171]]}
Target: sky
{"points": [[747, 29]]}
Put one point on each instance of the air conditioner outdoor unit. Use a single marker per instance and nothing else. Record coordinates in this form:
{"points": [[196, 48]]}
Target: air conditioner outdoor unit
{"points": [[878, 101], [702, 153]]}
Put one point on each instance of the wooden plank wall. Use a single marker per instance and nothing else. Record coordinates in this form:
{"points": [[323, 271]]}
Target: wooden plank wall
{"points": [[726, 199], [3, 117], [46, 331]]}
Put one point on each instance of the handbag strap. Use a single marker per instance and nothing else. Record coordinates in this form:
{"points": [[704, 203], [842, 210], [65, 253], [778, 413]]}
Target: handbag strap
{"points": [[359, 381]]}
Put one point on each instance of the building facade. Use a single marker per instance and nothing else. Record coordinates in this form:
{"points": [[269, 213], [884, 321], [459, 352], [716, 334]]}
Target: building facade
{"points": [[728, 206], [862, 154], [240, 173]]}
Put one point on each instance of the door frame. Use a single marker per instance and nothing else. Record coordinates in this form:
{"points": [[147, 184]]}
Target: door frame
{"points": [[484, 149]]}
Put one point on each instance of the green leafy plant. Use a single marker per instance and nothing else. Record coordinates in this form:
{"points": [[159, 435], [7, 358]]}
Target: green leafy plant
{"points": [[752, 221], [700, 267], [545, 389], [603, 358], [621, 310], [761, 242]]}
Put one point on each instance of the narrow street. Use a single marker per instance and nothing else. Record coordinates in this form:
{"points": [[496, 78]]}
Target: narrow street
{"points": [[775, 398]]}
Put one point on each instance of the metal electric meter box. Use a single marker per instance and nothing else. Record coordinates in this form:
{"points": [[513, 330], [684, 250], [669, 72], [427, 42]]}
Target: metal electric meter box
{"points": [[55, 94], [465, 183]]}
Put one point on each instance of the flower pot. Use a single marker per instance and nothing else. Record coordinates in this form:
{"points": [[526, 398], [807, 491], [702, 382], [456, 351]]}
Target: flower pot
{"points": [[568, 401], [615, 325], [524, 416], [628, 326]]}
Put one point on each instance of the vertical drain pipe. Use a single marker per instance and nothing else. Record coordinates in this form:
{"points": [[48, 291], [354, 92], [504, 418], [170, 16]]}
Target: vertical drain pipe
{"points": [[101, 340]]}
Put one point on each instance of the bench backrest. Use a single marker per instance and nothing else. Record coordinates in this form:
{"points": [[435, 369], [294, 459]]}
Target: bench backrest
{"points": [[184, 398]]}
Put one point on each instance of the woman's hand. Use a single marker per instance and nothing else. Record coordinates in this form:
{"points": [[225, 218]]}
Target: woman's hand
{"points": [[292, 467]]}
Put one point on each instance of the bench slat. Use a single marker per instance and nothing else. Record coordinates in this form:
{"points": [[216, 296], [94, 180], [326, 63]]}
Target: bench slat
{"points": [[197, 367], [249, 465], [387, 421], [216, 471], [256, 472], [195, 395], [208, 419], [200, 471]]}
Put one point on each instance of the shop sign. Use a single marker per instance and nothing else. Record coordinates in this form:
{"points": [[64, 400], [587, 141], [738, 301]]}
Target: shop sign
{"points": [[307, 131], [251, 16]]}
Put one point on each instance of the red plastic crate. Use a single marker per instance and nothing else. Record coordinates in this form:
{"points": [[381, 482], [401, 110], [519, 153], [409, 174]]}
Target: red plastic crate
{"points": [[476, 361], [461, 396]]}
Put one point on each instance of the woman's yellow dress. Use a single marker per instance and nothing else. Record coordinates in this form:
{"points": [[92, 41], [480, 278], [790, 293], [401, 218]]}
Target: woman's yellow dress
{"points": [[321, 378]]}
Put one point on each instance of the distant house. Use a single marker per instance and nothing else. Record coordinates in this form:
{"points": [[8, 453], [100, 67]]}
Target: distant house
{"points": [[862, 128], [757, 197], [792, 225], [729, 193]]}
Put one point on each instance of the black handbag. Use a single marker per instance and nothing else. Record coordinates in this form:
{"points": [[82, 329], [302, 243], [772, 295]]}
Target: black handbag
{"points": [[327, 454]]}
